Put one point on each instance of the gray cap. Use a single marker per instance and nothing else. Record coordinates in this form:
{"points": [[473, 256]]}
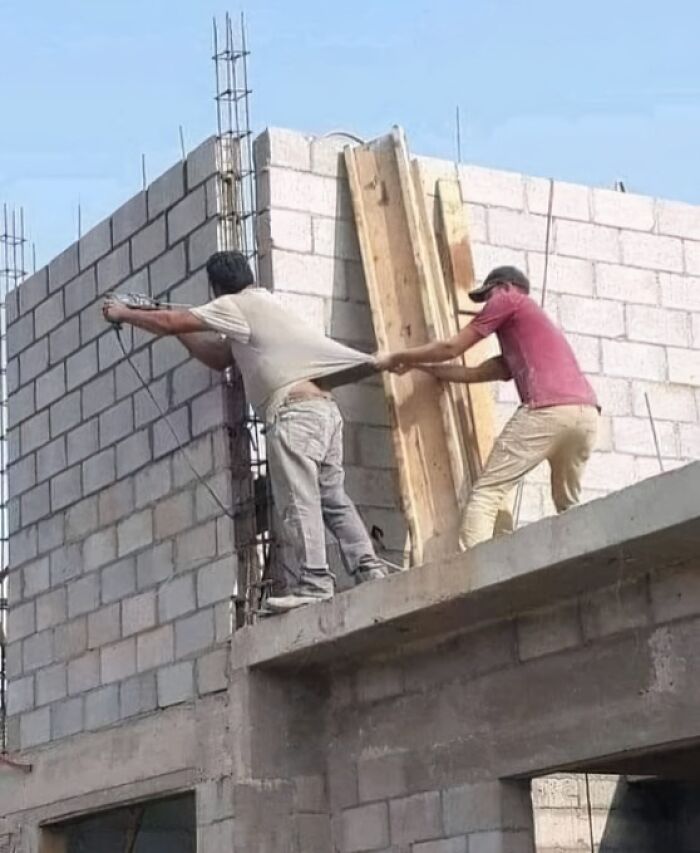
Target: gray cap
{"points": [[500, 275]]}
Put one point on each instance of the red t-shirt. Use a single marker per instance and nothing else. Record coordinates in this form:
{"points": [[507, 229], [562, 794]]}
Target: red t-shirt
{"points": [[540, 359]]}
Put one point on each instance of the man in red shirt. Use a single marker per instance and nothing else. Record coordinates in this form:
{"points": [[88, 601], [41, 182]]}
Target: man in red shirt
{"points": [[558, 418]]}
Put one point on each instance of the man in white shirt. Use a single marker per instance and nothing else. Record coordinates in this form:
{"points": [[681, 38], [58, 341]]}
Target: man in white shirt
{"points": [[281, 359]]}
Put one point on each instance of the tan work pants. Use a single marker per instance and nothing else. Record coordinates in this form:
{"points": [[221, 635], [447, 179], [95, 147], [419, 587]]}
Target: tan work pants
{"points": [[563, 435]]}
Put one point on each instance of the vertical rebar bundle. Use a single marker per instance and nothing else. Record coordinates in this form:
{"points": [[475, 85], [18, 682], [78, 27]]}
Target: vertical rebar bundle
{"points": [[13, 244]]}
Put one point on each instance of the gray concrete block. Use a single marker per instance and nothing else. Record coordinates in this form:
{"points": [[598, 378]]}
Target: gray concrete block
{"points": [[64, 563], [126, 380], [66, 488], [145, 410], [99, 549], [174, 514], [365, 828], [155, 648], [65, 414], [21, 621], [51, 458], [98, 395], [223, 622], [138, 613], [13, 445], [33, 290], [83, 595], [20, 695], [67, 718], [135, 532], [81, 366], [216, 582], [92, 323], [415, 818], [117, 661], [201, 244], [36, 503], [148, 243], [194, 633], [382, 777], [96, 243], [14, 660], [63, 267], [83, 441], [51, 609], [109, 352], [446, 845], [201, 163], [99, 471], [194, 290], [486, 806], [113, 269], [34, 432], [12, 375], [33, 361], [49, 314], [138, 695], [104, 626], [21, 404], [189, 380], [611, 611], [166, 354], [84, 672], [163, 440], [197, 546], [674, 595], [35, 577], [129, 218], [186, 215], [34, 728], [548, 631], [175, 683], [133, 453], [212, 189], [118, 580], [153, 482], [208, 411], [22, 475], [50, 386], [116, 422], [102, 707], [168, 270], [51, 684], [81, 519], [12, 306], [154, 565], [80, 292], [166, 190], [20, 335], [176, 598], [200, 452], [116, 502], [211, 671], [37, 650]]}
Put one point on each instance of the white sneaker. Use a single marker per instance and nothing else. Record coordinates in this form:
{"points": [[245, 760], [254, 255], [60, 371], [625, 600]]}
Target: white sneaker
{"points": [[283, 603]]}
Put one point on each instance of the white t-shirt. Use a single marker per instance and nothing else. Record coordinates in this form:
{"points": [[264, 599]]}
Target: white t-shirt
{"points": [[274, 348]]}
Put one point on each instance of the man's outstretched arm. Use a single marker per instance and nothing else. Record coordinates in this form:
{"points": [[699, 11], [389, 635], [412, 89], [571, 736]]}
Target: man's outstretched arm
{"points": [[208, 348], [159, 322], [430, 353], [491, 370]]}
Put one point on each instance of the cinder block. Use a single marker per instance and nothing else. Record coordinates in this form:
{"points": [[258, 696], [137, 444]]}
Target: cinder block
{"points": [[446, 845], [689, 441], [99, 549], [487, 257], [113, 269], [83, 441], [20, 695], [610, 471], [208, 410], [83, 595], [626, 284], [684, 366], [98, 471], [98, 395], [484, 806], [35, 577], [166, 190], [138, 695], [163, 440], [33, 290], [365, 828], [351, 323], [36, 503], [194, 290], [22, 475], [680, 291], [103, 626], [138, 613], [491, 187], [126, 380], [81, 366], [651, 250], [310, 273], [118, 580], [614, 395], [133, 453], [67, 718], [37, 649], [691, 256], [415, 818], [96, 243], [51, 684], [501, 842], [592, 316], [102, 707], [615, 609], [175, 683], [153, 482], [668, 402], [174, 514], [12, 375], [194, 633], [638, 361], [116, 501], [14, 660], [129, 218], [154, 565], [303, 191], [64, 564], [22, 404], [371, 487], [516, 230], [48, 315], [168, 270], [117, 661], [20, 335], [50, 386], [84, 673], [364, 404], [657, 325], [116, 422], [311, 308], [34, 432], [51, 609], [64, 414], [285, 148], [63, 267], [189, 380], [13, 445], [51, 458], [92, 323], [34, 728], [148, 243], [109, 352], [33, 361], [186, 215], [286, 229], [196, 546], [201, 244], [569, 201], [201, 163], [79, 293], [382, 777], [155, 648], [623, 210], [176, 598], [588, 352], [211, 671], [564, 275], [678, 219], [135, 532], [205, 506], [594, 242], [548, 631], [634, 436], [21, 621]]}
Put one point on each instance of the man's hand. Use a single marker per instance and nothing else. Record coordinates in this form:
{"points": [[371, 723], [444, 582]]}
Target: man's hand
{"points": [[384, 361], [113, 311]]}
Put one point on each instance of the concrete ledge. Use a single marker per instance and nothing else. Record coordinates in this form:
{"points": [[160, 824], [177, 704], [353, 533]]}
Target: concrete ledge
{"points": [[652, 525]]}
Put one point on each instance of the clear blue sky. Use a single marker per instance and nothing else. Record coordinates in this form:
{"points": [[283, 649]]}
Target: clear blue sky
{"points": [[586, 92]]}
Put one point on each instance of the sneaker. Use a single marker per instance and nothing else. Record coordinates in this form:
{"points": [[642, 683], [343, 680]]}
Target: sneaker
{"points": [[363, 575], [283, 603], [376, 568]]}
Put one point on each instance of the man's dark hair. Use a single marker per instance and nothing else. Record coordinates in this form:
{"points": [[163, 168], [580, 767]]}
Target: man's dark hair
{"points": [[229, 272]]}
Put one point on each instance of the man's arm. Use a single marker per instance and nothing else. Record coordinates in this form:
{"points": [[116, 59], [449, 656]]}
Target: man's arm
{"points": [[430, 353], [492, 370], [208, 348], [159, 322]]}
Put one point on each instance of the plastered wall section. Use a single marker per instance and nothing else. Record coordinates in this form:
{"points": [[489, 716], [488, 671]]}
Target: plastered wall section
{"points": [[623, 282], [122, 568]]}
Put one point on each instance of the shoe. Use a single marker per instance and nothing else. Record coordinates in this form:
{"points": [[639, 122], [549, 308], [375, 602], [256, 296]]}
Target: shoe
{"points": [[372, 574], [376, 568], [283, 603]]}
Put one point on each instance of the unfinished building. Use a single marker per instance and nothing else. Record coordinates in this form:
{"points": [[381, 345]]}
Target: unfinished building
{"points": [[425, 713]]}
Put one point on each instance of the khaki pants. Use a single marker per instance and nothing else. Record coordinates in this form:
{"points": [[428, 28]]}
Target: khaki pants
{"points": [[563, 435]]}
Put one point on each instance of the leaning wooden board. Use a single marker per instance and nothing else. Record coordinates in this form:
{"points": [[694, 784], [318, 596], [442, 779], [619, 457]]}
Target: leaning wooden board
{"points": [[396, 271]]}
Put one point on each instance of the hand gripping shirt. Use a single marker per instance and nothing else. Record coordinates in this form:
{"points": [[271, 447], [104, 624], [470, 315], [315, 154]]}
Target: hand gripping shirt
{"points": [[273, 348]]}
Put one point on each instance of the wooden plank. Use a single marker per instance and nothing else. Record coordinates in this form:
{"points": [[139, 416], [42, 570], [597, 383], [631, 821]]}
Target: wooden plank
{"points": [[395, 277]]}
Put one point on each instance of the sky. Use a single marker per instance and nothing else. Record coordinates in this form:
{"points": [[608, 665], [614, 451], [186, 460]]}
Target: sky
{"points": [[588, 92]]}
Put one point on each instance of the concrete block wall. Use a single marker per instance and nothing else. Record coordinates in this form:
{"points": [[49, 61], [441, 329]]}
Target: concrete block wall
{"points": [[623, 283], [122, 567]]}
